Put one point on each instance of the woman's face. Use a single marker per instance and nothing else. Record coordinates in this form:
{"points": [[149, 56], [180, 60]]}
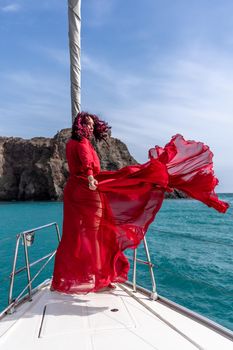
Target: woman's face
{"points": [[90, 124]]}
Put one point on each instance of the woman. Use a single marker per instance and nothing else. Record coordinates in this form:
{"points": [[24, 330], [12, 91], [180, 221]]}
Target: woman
{"points": [[84, 258], [106, 212]]}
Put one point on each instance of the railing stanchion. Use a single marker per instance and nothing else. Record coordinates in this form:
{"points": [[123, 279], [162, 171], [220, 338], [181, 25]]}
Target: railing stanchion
{"points": [[12, 276], [150, 265], [134, 268], [27, 266], [27, 240], [154, 294], [58, 233]]}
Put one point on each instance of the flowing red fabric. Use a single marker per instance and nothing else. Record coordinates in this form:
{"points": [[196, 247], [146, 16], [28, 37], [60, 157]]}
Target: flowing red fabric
{"points": [[99, 225]]}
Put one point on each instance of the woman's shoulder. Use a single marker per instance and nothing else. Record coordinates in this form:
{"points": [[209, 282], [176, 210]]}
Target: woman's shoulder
{"points": [[76, 142], [72, 143]]}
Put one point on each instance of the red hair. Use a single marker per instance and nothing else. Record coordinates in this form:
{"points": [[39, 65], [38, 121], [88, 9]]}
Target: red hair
{"points": [[80, 128]]}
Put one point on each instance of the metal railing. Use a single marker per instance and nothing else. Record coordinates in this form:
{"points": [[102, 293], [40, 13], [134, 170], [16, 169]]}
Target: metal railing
{"points": [[153, 294], [27, 238]]}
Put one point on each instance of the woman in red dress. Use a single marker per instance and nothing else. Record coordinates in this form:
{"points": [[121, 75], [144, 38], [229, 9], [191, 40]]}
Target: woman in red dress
{"points": [[106, 212]]}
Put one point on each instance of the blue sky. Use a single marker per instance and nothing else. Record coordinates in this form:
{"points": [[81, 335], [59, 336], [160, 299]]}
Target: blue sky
{"points": [[150, 68]]}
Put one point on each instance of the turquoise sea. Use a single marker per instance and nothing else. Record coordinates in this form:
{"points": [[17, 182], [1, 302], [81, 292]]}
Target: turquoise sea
{"points": [[190, 244]]}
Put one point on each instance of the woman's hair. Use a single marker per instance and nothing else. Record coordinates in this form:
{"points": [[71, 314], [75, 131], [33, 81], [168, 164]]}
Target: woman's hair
{"points": [[80, 129]]}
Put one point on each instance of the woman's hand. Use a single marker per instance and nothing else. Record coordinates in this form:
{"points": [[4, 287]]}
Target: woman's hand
{"points": [[92, 182]]}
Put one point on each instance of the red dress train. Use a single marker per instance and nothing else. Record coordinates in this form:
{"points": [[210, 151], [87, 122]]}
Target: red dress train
{"points": [[99, 225]]}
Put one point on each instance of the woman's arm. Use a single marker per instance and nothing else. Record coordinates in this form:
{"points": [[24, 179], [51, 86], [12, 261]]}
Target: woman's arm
{"points": [[86, 158]]}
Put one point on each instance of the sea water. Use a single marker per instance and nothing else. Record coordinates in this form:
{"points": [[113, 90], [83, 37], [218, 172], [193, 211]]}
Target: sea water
{"points": [[190, 244]]}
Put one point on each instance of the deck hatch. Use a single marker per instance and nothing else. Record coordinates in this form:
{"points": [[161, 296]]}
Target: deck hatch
{"points": [[94, 314]]}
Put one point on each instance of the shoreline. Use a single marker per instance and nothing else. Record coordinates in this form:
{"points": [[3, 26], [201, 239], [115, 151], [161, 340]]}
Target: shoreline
{"points": [[61, 201]]}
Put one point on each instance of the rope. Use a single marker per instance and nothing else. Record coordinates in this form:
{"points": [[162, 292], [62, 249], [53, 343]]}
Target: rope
{"points": [[169, 324]]}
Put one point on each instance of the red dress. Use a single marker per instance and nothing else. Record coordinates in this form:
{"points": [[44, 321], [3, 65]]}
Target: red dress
{"points": [[99, 225]]}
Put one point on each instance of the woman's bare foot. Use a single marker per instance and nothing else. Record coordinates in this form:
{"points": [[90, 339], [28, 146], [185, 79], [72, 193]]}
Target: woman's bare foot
{"points": [[108, 287]]}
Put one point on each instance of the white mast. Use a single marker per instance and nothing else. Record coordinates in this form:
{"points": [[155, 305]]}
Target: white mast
{"points": [[74, 17]]}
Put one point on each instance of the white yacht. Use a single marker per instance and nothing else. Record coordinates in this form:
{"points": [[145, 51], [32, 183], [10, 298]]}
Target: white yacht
{"points": [[128, 317]]}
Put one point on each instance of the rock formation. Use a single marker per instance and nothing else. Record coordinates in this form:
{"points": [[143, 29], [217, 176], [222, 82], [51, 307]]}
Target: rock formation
{"points": [[36, 169]]}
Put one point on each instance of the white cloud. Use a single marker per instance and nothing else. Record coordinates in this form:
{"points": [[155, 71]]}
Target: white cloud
{"points": [[188, 93], [57, 55], [39, 104], [11, 8]]}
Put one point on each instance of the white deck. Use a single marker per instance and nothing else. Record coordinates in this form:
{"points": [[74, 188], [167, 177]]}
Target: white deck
{"points": [[86, 322]]}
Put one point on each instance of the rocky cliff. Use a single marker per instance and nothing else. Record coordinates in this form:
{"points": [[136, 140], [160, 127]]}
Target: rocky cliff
{"points": [[36, 169]]}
